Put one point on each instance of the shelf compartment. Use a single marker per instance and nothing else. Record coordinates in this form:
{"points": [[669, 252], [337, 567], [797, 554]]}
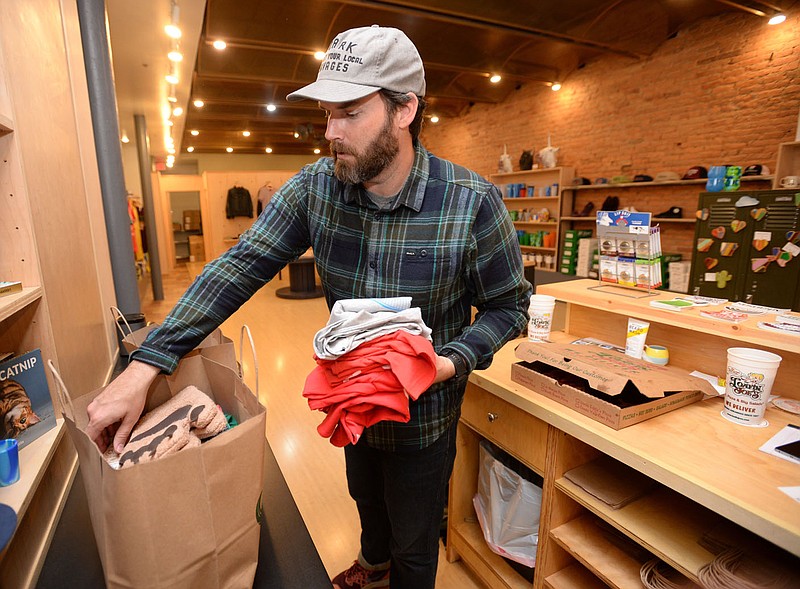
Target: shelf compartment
{"points": [[574, 576], [10, 304], [492, 568], [610, 186], [587, 542], [654, 221], [533, 248], [529, 199], [664, 522]]}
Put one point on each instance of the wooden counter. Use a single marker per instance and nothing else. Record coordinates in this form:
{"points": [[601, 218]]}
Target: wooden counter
{"points": [[709, 467]]}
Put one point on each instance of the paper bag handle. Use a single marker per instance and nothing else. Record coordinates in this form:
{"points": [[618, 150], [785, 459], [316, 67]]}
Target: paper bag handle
{"points": [[61, 391], [117, 315], [245, 328]]}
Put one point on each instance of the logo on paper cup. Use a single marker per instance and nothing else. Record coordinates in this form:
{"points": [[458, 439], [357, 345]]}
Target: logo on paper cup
{"points": [[747, 385]]}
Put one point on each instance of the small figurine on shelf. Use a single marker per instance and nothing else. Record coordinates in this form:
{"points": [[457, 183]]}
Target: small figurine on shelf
{"points": [[549, 155], [504, 166], [526, 160]]}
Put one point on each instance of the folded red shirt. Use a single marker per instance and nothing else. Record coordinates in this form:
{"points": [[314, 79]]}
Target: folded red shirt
{"points": [[369, 384]]}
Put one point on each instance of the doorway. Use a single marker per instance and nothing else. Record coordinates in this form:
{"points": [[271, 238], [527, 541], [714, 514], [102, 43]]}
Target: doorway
{"points": [[187, 226]]}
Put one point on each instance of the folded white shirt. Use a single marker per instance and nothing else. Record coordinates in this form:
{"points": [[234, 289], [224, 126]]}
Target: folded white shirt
{"points": [[355, 321]]}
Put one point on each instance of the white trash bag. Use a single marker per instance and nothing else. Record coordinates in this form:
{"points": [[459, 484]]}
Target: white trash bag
{"points": [[508, 508]]}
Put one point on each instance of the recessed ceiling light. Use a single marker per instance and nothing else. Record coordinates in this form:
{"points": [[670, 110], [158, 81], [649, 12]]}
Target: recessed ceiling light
{"points": [[173, 31], [319, 55], [246, 133], [177, 111], [194, 132], [171, 78], [175, 56], [199, 103], [271, 107], [170, 123], [171, 150], [777, 19], [296, 135], [229, 149], [219, 44], [172, 97], [316, 150], [495, 78], [268, 150], [190, 149], [124, 138], [434, 119], [556, 86]]}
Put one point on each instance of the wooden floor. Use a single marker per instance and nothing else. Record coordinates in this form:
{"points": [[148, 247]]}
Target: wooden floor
{"points": [[283, 330]]}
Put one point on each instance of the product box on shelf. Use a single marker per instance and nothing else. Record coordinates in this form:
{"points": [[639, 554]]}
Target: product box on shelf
{"points": [[604, 384]]}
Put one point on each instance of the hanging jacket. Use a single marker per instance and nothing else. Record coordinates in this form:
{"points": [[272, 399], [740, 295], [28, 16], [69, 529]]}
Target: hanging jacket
{"points": [[239, 203]]}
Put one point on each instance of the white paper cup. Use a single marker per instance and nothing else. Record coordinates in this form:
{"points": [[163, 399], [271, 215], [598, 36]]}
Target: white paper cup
{"points": [[748, 383], [540, 314]]}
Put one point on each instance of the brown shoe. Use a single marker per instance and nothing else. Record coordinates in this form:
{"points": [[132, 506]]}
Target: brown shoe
{"points": [[362, 575]]}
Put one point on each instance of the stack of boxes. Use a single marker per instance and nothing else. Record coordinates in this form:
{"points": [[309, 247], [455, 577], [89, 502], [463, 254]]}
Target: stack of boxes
{"points": [[587, 257], [569, 257]]}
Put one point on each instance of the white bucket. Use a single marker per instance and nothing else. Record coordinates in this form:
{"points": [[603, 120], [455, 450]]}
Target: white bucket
{"points": [[540, 317], [748, 383]]}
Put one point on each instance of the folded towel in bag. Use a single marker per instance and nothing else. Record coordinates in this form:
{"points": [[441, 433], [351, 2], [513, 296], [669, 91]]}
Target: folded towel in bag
{"points": [[181, 422]]}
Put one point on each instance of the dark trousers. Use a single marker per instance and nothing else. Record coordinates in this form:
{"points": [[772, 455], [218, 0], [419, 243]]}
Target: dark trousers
{"points": [[400, 498]]}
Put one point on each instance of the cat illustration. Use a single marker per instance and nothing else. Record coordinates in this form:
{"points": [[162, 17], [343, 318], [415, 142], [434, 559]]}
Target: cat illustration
{"points": [[16, 413]]}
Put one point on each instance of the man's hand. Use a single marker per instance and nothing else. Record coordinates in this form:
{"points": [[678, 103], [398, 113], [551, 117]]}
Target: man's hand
{"points": [[114, 412], [445, 369]]}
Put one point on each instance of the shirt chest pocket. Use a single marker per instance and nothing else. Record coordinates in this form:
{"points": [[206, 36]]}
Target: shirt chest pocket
{"points": [[423, 270]]}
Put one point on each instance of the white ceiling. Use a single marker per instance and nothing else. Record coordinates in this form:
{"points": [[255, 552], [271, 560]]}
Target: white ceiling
{"points": [[139, 50]]}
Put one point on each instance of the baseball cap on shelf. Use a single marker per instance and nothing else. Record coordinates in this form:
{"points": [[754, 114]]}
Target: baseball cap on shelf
{"points": [[642, 178], [756, 170], [362, 61], [695, 172], [580, 181]]}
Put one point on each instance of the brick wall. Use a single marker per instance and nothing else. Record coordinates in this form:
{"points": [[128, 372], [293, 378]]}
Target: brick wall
{"points": [[725, 90]]}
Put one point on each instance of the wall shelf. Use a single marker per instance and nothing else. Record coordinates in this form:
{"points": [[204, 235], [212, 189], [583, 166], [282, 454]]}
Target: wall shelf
{"points": [[10, 304], [667, 183]]}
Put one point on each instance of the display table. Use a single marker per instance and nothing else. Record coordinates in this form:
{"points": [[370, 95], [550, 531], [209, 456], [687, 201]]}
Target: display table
{"points": [[302, 280], [708, 470]]}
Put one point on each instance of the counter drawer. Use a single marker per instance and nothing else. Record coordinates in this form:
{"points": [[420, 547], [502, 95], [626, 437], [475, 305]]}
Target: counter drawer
{"points": [[517, 432]]}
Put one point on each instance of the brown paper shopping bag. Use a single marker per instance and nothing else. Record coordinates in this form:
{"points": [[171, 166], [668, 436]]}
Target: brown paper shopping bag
{"points": [[186, 520]]}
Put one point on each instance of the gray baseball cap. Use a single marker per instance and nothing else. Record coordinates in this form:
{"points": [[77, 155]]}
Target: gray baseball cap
{"points": [[362, 61]]}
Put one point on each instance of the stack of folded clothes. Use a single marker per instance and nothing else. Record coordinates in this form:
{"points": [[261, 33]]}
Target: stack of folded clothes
{"points": [[372, 357]]}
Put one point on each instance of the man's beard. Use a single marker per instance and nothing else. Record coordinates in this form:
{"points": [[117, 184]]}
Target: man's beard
{"points": [[371, 161]]}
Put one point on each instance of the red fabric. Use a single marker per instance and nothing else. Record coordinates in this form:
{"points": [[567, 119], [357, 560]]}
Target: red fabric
{"points": [[369, 384]]}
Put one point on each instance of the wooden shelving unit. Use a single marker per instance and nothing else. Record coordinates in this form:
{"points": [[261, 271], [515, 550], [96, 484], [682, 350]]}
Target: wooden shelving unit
{"points": [[707, 473], [537, 181], [51, 211]]}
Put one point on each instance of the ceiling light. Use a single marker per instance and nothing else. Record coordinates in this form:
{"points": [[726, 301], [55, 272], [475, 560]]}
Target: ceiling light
{"points": [[555, 86], [172, 97], [170, 123], [229, 149], [177, 111], [246, 133], [271, 107], [316, 150], [319, 55], [171, 78], [194, 132], [268, 150], [171, 150], [124, 138], [190, 149], [170, 163], [777, 19], [172, 29], [434, 119], [175, 56], [219, 44], [199, 103], [495, 78], [296, 135]]}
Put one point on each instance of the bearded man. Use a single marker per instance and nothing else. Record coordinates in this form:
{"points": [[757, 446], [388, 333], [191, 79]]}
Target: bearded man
{"points": [[385, 218]]}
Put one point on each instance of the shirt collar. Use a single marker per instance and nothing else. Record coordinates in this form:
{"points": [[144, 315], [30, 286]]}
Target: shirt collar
{"points": [[413, 191]]}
